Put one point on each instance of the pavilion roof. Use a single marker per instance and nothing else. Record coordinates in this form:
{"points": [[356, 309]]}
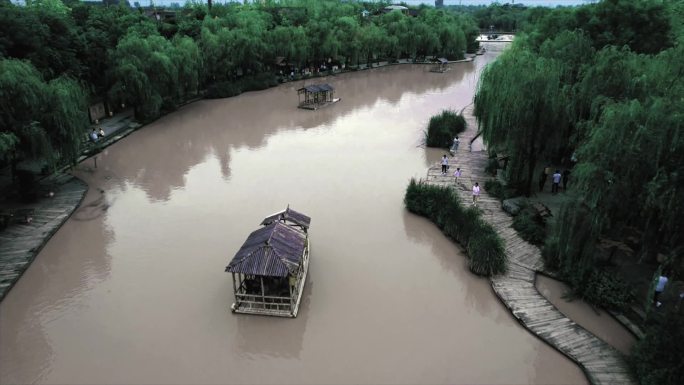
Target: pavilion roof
{"points": [[442, 60], [274, 250], [317, 88], [289, 215]]}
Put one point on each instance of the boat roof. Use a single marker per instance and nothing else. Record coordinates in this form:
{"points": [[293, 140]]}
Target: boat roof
{"points": [[317, 88], [274, 250], [289, 215], [442, 60]]}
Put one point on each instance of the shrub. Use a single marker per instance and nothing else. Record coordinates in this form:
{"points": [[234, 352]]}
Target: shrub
{"points": [[496, 189], [530, 226], [257, 82], [492, 166], [443, 128], [28, 187], [658, 358], [551, 252], [600, 288], [442, 206], [223, 90], [486, 252]]}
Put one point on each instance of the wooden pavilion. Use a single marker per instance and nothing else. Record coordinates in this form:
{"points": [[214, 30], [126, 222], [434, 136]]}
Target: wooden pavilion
{"points": [[269, 271], [440, 66], [316, 96]]}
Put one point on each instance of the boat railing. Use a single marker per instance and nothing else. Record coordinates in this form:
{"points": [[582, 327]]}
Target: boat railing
{"points": [[263, 302]]}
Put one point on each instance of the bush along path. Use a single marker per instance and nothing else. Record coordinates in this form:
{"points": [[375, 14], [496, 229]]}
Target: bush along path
{"points": [[601, 363]]}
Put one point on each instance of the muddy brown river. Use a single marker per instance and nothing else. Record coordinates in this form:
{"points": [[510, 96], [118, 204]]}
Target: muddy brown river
{"points": [[132, 289]]}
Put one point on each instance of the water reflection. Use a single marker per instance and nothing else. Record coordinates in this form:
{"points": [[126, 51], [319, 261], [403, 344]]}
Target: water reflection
{"points": [[50, 289], [452, 258], [255, 338], [157, 158]]}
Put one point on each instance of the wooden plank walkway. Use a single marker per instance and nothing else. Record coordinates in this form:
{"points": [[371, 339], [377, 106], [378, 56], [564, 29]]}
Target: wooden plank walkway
{"points": [[516, 289], [20, 243]]}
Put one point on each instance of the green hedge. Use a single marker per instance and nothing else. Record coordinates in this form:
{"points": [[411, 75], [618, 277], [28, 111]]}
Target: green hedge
{"points": [[248, 83], [443, 128], [530, 226], [486, 254]]}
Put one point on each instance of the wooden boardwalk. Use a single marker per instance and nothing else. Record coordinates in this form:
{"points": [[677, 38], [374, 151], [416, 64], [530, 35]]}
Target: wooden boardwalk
{"points": [[601, 362], [20, 243]]}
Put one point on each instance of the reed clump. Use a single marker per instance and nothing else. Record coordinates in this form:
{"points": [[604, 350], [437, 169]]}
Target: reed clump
{"points": [[443, 128], [485, 249]]}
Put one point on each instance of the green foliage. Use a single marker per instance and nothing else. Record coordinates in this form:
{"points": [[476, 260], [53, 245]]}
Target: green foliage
{"points": [[522, 112], [601, 288], [223, 90], [530, 226], [37, 117], [495, 189], [492, 166], [233, 88], [658, 358], [443, 128], [28, 188], [486, 252], [442, 206]]}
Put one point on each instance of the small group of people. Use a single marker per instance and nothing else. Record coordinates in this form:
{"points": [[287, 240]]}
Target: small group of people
{"points": [[556, 179], [457, 174], [96, 134]]}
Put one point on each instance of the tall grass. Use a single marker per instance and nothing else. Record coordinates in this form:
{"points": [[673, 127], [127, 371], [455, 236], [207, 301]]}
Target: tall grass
{"points": [[443, 128], [486, 254]]}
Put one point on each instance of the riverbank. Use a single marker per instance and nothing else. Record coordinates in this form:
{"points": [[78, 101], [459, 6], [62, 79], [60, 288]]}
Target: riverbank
{"points": [[516, 289]]}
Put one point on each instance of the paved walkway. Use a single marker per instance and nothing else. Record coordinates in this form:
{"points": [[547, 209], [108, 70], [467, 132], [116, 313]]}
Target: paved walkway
{"points": [[601, 362], [21, 242]]}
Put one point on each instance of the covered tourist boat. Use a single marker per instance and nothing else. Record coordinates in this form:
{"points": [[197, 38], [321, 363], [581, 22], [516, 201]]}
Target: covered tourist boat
{"points": [[269, 271]]}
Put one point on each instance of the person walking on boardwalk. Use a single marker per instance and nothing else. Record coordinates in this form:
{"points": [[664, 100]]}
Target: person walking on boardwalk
{"points": [[556, 182], [454, 146], [476, 193], [457, 174], [445, 164], [660, 287]]}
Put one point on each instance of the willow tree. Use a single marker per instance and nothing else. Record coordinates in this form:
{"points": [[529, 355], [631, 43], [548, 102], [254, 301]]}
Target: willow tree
{"points": [[145, 73], [520, 105], [632, 162], [66, 117], [23, 95]]}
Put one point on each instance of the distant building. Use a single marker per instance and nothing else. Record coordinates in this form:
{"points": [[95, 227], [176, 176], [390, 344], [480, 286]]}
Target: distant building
{"points": [[439, 3], [392, 8]]}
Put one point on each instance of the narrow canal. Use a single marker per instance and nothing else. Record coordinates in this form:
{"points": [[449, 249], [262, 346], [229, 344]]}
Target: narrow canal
{"points": [[132, 288]]}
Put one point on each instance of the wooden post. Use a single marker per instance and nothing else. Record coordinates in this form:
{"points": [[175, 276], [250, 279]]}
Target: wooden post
{"points": [[237, 302], [291, 299], [263, 292]]}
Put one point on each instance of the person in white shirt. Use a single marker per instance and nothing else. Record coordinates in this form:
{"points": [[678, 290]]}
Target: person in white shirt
{"points": [[476, 193], [556, 181], [445, 164], [660, 287], [454, 146], [457, 174]]}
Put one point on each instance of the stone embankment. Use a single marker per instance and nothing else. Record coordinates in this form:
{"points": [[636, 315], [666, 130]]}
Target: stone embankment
{"points": [[516, 289]]}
